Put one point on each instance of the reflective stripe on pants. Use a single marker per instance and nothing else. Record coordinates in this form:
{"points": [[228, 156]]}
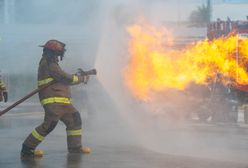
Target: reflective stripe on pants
{"points": [[50, 100], [37, 135], [74, 132]]}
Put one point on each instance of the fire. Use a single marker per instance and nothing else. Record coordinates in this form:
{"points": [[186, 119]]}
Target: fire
{"points": [[155, 66]]}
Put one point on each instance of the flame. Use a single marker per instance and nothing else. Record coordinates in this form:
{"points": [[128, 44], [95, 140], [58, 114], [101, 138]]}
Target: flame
{"points": [[154, 65]]}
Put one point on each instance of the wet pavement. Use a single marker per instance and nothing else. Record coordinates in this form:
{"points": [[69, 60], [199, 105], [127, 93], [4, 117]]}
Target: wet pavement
{"points": [[113, 145]]}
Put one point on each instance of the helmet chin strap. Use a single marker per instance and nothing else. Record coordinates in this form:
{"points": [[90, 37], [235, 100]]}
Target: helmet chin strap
{"points": [[62, 56]]}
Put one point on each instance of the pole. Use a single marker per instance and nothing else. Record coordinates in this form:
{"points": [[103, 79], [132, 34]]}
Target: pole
{"points": [[25, 98], [6, 11]]}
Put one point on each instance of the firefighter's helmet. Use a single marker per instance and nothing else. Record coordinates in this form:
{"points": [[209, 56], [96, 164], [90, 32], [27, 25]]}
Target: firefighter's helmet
{"points": [[55, 45]]}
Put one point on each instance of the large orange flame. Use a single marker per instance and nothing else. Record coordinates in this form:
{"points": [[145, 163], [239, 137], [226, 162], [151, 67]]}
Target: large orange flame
{"points": [[155, 66]]}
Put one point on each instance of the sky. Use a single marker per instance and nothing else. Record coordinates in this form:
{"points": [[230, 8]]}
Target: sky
{"points": [[28, 11], [178, 10], [236, 11]]}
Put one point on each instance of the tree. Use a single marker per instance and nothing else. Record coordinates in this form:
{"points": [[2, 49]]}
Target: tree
{"points": [[201, 16]]}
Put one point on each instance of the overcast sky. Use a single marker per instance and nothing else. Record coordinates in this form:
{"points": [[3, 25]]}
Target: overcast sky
{"points": [[236, 11], [178, 10]]}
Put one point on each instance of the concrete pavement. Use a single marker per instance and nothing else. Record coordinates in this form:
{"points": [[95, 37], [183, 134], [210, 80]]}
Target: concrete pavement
{"points": [[111, 148]]}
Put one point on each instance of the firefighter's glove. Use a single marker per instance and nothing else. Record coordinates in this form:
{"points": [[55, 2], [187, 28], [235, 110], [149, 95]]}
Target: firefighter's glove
{"points": [[84, 78], [81, 72], [5, 96]]}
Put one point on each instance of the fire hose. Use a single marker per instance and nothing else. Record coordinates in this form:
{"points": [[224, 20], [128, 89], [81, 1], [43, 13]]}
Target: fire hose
{"points": [[80, 71]]}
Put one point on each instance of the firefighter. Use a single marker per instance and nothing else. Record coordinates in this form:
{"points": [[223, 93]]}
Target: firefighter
{"points": [[56, 101], [3, 91], [219, 93], [242, 90]]}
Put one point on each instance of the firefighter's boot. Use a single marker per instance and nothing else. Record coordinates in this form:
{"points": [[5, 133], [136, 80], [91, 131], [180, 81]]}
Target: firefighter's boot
{"points": [[29, 153], [85, 150], [82, 150], [38, 153]]}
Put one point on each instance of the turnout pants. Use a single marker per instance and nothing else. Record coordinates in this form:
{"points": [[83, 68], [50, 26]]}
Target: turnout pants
{"points": [[53, 113]]}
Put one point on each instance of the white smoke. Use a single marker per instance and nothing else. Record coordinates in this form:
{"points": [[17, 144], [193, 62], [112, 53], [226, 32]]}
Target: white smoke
{"points": [[95, 34]]}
